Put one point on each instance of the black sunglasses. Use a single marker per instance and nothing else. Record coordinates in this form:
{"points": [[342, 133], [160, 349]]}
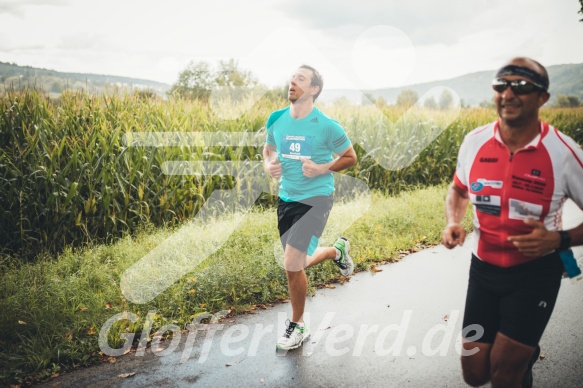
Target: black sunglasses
{"points": [[518, 86]]}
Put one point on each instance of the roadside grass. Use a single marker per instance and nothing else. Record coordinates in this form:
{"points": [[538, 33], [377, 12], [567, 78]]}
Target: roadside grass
{"points": [[53, 309]]}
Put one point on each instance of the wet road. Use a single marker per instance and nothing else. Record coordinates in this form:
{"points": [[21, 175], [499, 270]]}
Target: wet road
{"points": [[397, 328]]}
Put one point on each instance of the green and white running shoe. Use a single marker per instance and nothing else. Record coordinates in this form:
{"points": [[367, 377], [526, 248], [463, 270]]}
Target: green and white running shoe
{"points": [[294, 336], [345, 261]]}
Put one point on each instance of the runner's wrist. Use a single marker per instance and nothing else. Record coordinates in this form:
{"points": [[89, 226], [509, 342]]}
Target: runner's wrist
{"points": [[564, 241]]}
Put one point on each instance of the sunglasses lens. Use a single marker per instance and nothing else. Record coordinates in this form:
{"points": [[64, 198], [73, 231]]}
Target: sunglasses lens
{"points": [[499, 87], [523, 88], [518, 87]]}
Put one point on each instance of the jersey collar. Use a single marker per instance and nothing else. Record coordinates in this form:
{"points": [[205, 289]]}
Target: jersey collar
{"points": [[534, 143]]}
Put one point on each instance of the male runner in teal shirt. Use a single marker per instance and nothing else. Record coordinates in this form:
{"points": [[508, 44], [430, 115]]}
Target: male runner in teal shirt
{"points": [[299, 151]]}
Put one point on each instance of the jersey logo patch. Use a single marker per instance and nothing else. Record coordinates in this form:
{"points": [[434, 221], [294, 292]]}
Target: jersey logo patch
{"points": [[481, 183], [476, 186], [492, 184]]}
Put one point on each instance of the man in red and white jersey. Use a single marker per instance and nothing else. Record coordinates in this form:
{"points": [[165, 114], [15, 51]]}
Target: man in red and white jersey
{"points": [[517, 172]]}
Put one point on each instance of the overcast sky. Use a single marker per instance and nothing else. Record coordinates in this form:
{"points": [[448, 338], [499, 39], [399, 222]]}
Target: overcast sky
{"points": [[355, 44]]}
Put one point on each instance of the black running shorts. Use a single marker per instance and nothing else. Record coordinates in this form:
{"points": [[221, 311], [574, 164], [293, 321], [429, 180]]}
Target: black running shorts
{"points": [[302, 223], [515, 301]]}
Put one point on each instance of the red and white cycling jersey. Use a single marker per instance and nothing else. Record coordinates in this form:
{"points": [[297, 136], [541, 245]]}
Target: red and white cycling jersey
{"points": [[505, 189]]}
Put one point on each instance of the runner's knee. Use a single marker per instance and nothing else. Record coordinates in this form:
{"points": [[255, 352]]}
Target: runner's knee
{"points": [[474, 375]]}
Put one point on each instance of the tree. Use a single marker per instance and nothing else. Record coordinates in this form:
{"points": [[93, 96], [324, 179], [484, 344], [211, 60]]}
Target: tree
{"points": [[581, 10], [235, 87], [564, 101], [55, 88], [407, 98], [229, 75], [574, 101], [195, 82], [430, 103], [198, 81], [380, 102], [445, 99], [277, 93]]}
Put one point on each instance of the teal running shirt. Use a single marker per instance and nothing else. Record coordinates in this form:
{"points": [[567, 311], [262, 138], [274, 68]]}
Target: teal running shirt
{"points": [[316, 137]]}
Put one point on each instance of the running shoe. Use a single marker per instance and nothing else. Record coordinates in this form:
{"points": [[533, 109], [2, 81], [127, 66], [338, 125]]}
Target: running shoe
{"points": [[294, 336], [345, 262]]}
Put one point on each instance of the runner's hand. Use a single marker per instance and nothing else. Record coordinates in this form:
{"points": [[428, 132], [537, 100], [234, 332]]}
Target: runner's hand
{"points": [[311, 169], [274, 168], [453, 235], [538, 242]]}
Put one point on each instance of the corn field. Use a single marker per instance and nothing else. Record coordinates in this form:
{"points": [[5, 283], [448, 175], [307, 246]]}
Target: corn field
{"points": [[86, 169]]}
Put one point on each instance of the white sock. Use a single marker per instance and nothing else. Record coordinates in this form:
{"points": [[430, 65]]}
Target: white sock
{"points": [[338, 254]]}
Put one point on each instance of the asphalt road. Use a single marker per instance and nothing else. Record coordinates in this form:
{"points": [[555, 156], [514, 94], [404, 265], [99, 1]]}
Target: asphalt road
{"points": [[396, 328]]}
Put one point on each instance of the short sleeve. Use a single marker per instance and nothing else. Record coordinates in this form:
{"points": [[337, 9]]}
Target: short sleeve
{"points": [[337, 138], [460, 176], [269, 126], [573, 171]]}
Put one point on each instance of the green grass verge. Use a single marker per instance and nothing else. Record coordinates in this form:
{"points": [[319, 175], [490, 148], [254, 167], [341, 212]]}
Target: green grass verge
{"points": [[54, 308]]}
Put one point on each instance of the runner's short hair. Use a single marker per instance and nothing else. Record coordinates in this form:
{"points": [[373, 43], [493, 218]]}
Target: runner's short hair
{"points": [[317, 79]]}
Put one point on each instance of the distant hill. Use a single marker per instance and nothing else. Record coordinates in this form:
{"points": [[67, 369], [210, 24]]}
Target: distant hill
{"points": [[474, 88], [55, 82]]}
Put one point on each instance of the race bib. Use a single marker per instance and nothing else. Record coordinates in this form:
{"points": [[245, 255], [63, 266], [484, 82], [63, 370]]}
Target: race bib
{"points": [[520, 210], [296, 147]]}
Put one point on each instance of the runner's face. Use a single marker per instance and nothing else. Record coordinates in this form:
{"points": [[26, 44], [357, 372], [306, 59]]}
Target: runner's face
{"points": [[517, 109], [300, 86]]}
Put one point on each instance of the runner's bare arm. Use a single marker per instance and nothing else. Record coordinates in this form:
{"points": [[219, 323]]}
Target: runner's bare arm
{"points": [[345, 159], [456, 203]]}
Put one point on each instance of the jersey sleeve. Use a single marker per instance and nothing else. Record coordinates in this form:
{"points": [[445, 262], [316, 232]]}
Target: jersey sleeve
{"points": [[573, 171], [269, 126], [460, 176], [337, 138]]}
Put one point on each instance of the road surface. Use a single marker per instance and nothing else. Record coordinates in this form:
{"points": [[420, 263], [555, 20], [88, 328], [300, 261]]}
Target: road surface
{"points": [[396, 328]]}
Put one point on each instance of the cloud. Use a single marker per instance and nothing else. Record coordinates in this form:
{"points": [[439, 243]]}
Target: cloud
{"points": [[450, 38], [18, 7], [83, 41], [426, 22], [370, 43]]}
